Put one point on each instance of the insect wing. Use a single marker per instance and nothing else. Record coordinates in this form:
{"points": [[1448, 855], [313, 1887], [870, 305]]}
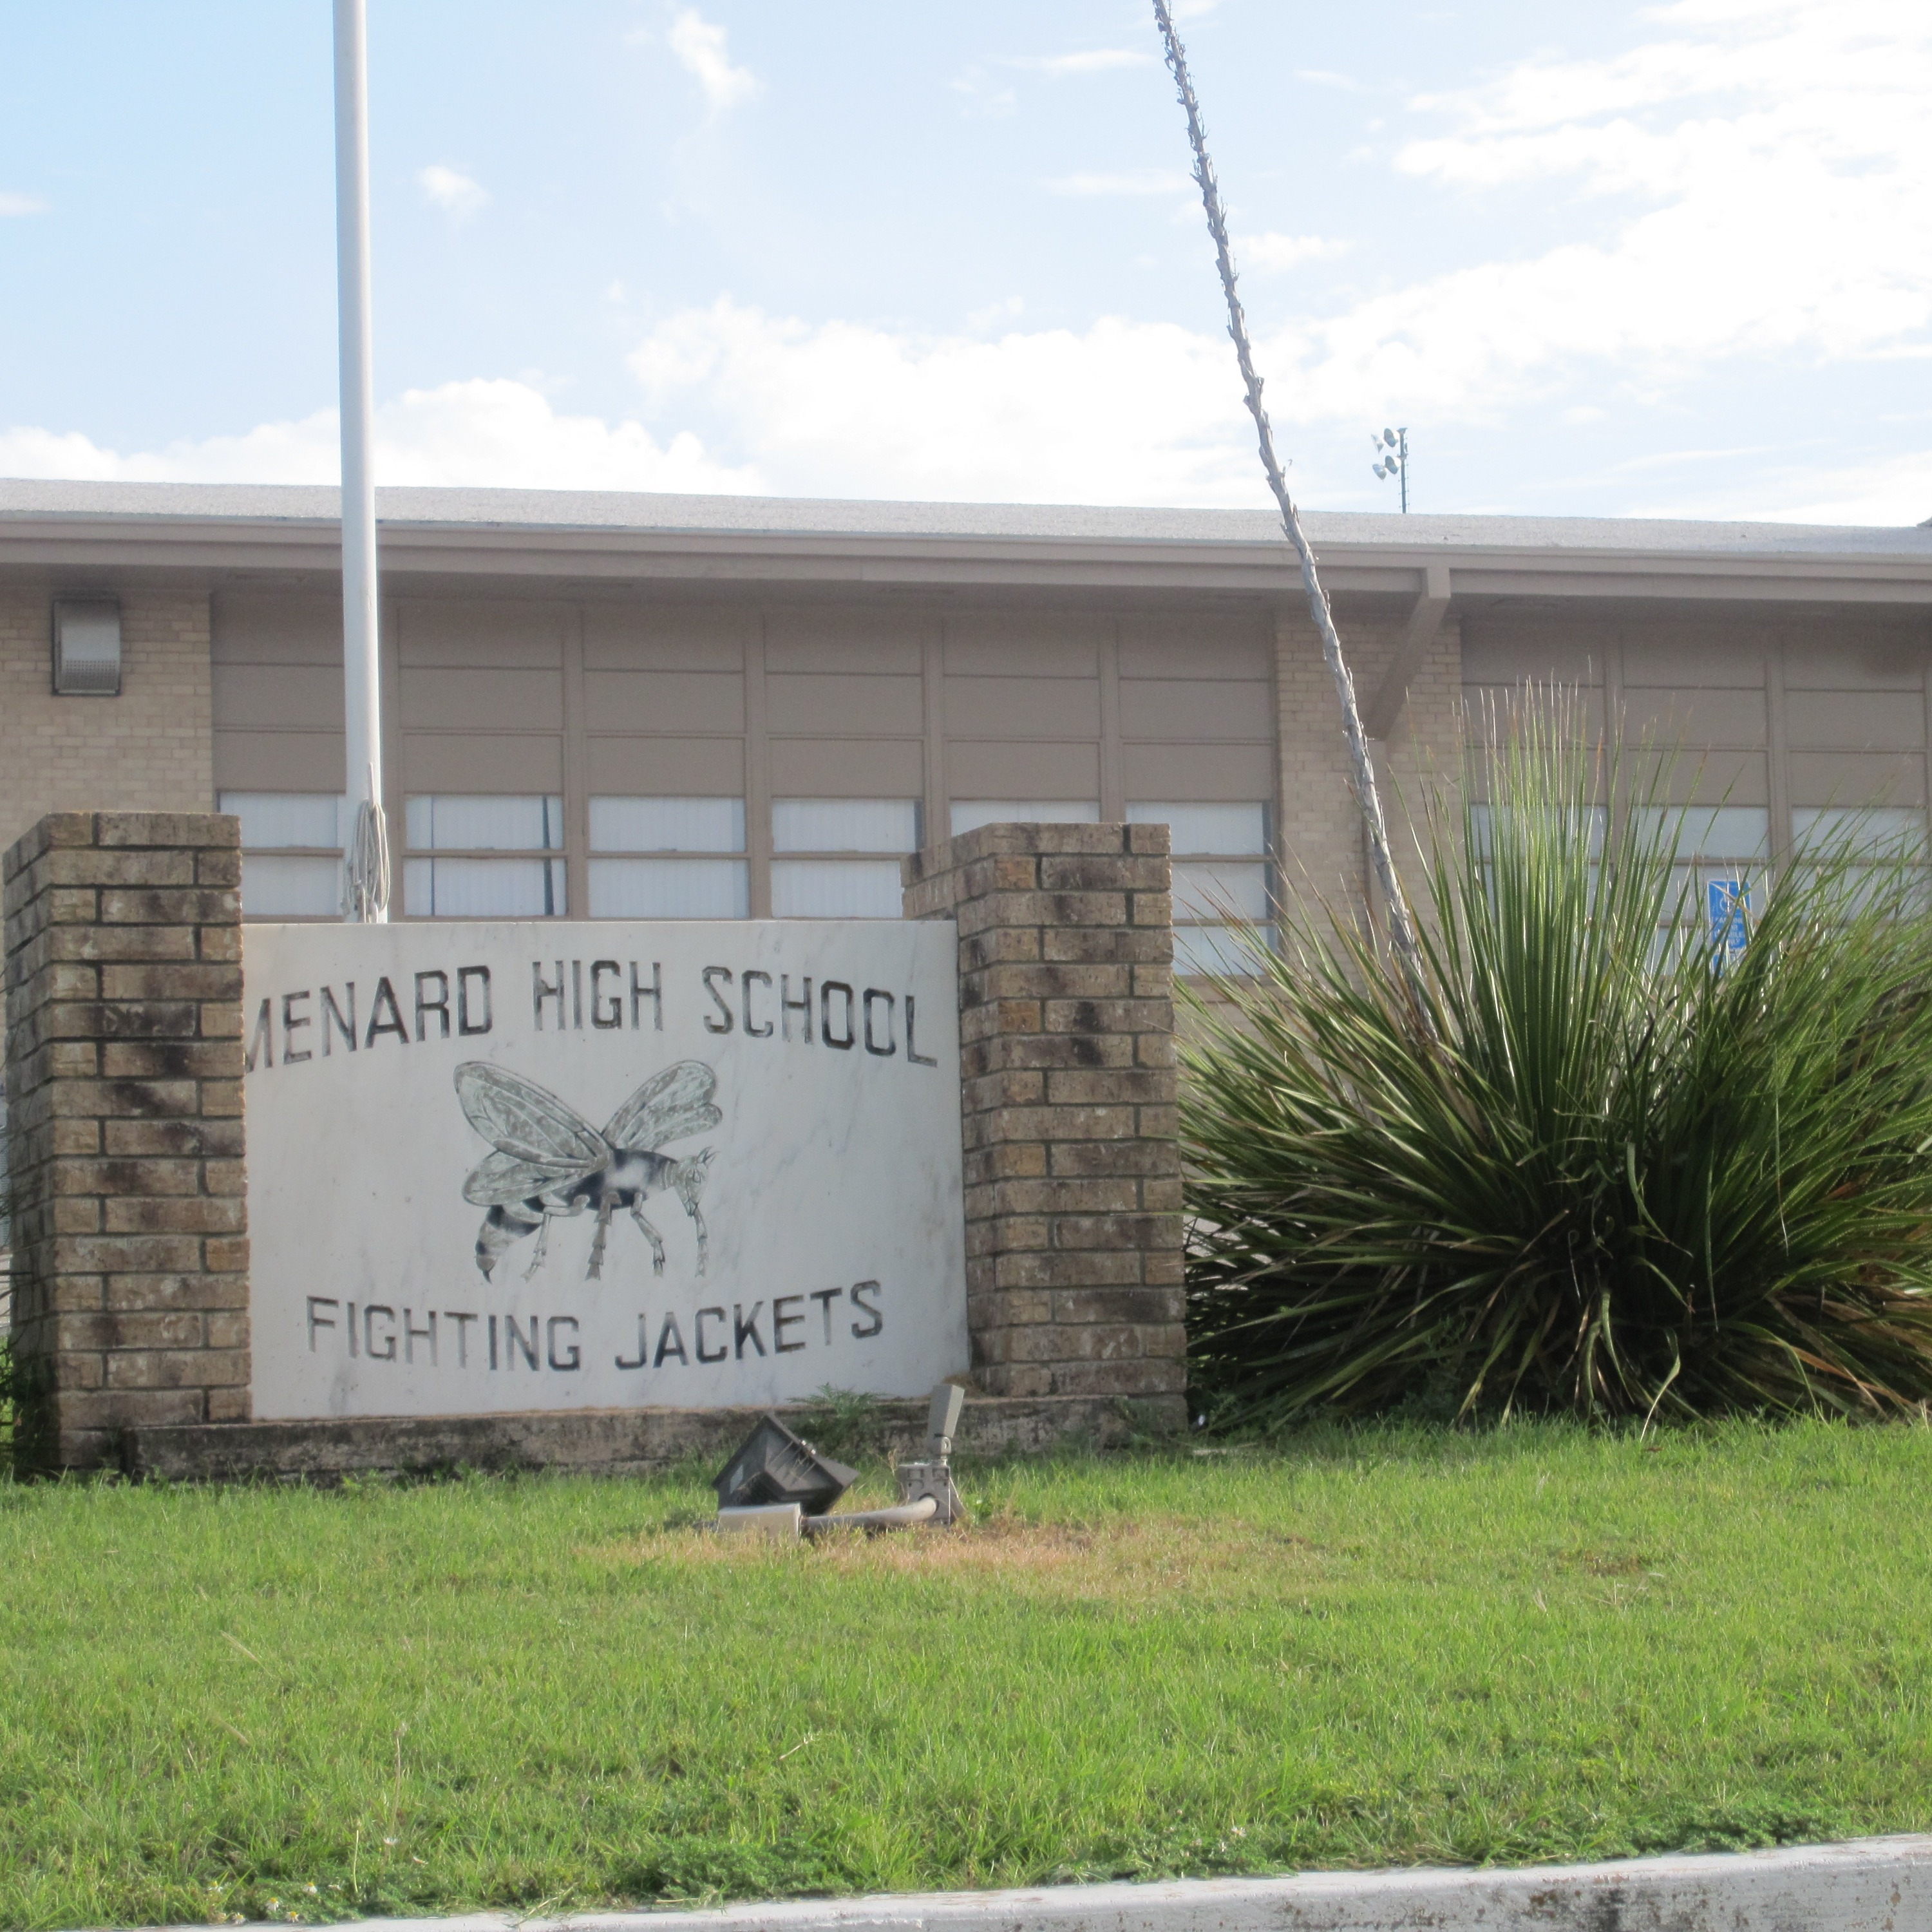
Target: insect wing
{"points": [[667, 1107], [527, 1122], [499, 1177]]}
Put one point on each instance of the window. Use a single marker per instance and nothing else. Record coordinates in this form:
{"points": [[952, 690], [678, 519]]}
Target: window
{"points": [[469, 878], [826, 878], [1723, 852], [1222, 872], [1888, 836], [969, 814], [661, 876], [291, 845]]}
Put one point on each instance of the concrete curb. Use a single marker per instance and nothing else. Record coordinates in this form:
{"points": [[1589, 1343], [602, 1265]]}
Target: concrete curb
{"points": [[1869, 1885]]}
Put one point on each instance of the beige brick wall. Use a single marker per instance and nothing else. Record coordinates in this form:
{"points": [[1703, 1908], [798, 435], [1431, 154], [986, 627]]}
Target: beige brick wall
{"points": [[1322, 848], [151, 749]]}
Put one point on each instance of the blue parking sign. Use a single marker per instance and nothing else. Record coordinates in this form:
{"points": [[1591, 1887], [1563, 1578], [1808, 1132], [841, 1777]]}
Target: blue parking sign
{"points": [[1729, 902]]}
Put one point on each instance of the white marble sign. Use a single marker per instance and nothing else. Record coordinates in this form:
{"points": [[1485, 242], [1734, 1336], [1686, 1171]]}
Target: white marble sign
{"points": [[542, 1165]]}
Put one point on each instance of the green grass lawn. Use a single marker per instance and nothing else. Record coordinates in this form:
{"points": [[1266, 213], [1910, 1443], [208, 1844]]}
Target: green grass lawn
{"points": [[1374, 1648]]}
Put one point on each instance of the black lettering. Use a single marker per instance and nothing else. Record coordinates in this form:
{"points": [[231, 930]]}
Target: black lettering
{"points": [[514, 1342], [550, 1327], [464, 974], [781, 1322], [353, 1349], [493, 1341], [577, 994], [316, 1321], [725, 1022], [387, 1352], [263, 1041], [703, 1313], [334, 1018], [891, 1046], [385, 996], [462, 1320], [788, 1006], [825, 1033], [643, 1348], [825, 1298], [541, 990], [654, 991], [913, 1053], [865, 1307], [439, 1006], [412, 1335], [743, 1331], [752, 1029], [598, 967], [671, 1342], [289, 1023]]}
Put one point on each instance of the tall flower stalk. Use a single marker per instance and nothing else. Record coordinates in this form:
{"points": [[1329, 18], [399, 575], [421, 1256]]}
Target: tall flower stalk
{"points": [[1401, 928]]}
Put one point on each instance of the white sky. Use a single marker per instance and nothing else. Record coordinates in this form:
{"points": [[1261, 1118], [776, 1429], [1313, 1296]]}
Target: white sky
{"points": [[1667, 260]]}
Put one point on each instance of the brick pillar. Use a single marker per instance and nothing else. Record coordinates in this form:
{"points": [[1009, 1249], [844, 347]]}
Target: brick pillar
{"points": [[1073, 1161], [124, 1084]]}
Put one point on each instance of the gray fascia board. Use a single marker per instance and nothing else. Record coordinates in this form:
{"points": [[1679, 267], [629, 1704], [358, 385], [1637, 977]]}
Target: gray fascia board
{"points": [[1761, 567]]}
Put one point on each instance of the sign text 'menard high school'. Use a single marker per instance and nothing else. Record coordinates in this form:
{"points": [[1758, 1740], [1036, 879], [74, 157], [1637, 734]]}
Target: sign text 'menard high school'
{"points": [[678, 1164]]}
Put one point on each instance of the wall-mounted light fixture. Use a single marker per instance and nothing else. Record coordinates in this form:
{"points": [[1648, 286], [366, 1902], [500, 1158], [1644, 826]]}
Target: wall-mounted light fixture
{"points": [[87, 647]]}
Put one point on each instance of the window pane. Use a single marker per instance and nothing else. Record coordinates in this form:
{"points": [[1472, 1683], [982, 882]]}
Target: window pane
{"points": [[836, 889], [280, 885], [483, 888], [845, 825], [1208, 828], [1216, 948], [667, 825], [969, 814], [445, 823], [284, 818], [1888, 832], [1712, 832], [670, 889], [1211, 892], [1599, 826]]}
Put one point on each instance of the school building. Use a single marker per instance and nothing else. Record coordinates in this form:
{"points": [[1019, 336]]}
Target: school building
{"points": [[643, 706]]}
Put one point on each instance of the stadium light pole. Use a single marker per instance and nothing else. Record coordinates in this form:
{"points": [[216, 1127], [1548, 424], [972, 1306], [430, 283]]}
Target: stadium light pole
{"points": [[1395, 463], [366, 844]]}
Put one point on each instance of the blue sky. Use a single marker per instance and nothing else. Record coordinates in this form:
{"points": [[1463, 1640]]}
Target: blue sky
{"points": [[1610, 259]]}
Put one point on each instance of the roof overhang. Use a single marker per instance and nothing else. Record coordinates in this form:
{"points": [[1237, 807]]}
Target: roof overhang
{"points": [[1488, 560]]}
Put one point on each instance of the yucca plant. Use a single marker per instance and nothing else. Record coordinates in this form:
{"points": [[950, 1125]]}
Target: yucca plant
{"points": [[1596, 1165]]}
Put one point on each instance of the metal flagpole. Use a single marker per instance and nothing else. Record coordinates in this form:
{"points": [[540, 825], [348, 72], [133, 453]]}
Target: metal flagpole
{"points": [[366, 847]]}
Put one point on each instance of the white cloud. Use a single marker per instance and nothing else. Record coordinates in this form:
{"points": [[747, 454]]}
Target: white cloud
{"points": [[984, 100], [1132, 180], [455, 193], [1785, 161], [20, 204], [1890, 492], [700, 47], [476, 433], [1093, 60], [1272, 252], [1121, 413]]}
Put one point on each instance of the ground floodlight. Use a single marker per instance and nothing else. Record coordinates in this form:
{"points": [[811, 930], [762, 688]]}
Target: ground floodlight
{"points": [[942, 1419], [775, 1466]]}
